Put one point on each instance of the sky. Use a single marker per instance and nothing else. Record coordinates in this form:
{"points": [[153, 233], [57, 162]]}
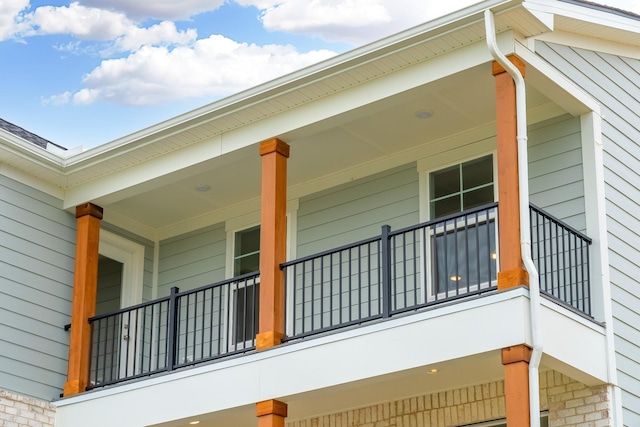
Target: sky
{"points": [[86, 72]]}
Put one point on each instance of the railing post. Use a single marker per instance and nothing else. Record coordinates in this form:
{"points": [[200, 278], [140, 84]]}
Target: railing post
{"points": [[385, 259], [172, 332]]}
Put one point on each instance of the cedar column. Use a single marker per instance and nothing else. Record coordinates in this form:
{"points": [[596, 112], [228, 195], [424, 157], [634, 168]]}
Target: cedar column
{"points": [[85, 284], [511, 271], [516, 384], [273, 237], [271, 413]]}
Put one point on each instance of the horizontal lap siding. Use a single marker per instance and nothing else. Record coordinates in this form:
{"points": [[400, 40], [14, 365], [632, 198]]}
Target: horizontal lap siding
{"points": [[555, 169], [615, 82], [192, 260], [357, 210], [37, 249]]}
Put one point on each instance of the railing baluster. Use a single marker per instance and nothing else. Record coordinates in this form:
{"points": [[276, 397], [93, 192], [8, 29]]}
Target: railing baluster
{"points": [[385, 259]]}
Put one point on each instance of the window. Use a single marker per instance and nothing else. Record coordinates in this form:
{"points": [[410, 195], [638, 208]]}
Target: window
{"points": [[463, 249], [246, 299]]}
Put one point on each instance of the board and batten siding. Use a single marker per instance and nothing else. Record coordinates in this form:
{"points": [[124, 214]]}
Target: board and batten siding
{"points": [[615, 82], [192, 260], [357, 210], [555, 169], [37, 250]]}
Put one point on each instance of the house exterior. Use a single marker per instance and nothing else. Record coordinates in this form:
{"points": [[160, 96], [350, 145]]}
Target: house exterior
{"points": [[393, 237]]}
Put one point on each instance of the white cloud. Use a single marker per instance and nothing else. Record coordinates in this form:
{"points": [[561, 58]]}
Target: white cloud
{"points": [[115, 29], [158, 9], [10, 19], [352, 21], [57, 100], [212, 67]]}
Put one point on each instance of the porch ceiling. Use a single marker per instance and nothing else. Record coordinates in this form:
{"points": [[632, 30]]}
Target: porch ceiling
{"points": [[377, 133]]}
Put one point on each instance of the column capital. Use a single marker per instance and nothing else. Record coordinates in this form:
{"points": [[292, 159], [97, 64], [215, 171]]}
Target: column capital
{"points": [[271, 407], [516, 353], [496, 68], [89, 209], [274, 145]]}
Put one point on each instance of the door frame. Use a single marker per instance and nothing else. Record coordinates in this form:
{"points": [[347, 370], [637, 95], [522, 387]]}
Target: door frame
{"points": [[131, 255]]}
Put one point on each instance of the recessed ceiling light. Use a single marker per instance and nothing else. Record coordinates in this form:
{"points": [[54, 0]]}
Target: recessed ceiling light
{"points": [[194, 422], [202, 188], [433, 371], [423, 114]]}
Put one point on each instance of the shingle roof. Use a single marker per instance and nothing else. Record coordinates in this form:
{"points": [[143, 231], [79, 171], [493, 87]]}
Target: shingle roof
{"points": [[604, 8], [26, 135]]}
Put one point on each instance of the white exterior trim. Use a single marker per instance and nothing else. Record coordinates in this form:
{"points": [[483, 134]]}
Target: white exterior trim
{"points": [[131, 255]]}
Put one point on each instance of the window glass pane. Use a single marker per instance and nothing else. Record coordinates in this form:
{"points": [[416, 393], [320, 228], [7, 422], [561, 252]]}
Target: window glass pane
{"points": [[246, 314], [445, 182], [445, 206], [477, 172], [478, 197], [247, 241], [247, 264]]}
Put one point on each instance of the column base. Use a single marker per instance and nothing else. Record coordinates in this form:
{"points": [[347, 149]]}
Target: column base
{"points": [[265, 340], [512, 278], [71, 388]]}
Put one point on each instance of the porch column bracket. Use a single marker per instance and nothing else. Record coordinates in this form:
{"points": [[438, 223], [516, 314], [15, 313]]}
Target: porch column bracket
{"points": [[83, 306], [271, 413], [512, 271], [516, 384], [273, 238]]}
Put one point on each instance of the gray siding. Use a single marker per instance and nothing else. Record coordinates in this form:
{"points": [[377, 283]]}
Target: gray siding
{"points": [[192, 260], [37, 249], [147, 279], [357, 210], [555, 169], [615, 82]]}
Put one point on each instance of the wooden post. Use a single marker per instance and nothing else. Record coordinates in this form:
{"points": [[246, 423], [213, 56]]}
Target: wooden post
{"points": [[273, 238], [271, 413], [511, 271], [516, 384], [85, 284]]}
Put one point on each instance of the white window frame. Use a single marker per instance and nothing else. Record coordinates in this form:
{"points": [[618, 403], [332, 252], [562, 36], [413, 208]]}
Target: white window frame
{"points": [[425, 168], [252, 219]]}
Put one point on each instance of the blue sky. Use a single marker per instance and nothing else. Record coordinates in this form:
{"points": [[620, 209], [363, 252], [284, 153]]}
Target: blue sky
{"points": [[90, 71]]}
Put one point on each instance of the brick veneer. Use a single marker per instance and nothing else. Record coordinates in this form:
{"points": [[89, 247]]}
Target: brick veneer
{"points": [[22, 411], [570, 404]]}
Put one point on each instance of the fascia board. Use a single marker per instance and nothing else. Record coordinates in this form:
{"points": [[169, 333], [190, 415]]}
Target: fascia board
{"points": [[123, 183], [24, 149]]}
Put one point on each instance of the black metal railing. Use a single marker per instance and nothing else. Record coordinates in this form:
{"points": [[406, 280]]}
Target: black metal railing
{"points": [[398, 271], [432, 262], [561, 255], [181, 329]]}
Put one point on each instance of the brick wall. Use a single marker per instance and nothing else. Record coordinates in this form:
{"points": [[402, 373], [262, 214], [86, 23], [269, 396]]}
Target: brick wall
{"points": [[22, 411], [570, 404]]}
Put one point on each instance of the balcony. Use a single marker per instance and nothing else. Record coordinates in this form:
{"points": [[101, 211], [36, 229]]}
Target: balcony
{"points": [[395, 273]]}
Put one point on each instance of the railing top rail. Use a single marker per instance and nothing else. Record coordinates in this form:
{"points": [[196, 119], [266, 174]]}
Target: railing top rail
{"points": [[328, 252], [445, 218], [130, 308], [547, 215], [179, 294], [220, 283]]}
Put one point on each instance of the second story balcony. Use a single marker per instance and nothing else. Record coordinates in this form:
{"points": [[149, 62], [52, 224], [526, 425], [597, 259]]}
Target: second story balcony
{"points": [[396, 273]]}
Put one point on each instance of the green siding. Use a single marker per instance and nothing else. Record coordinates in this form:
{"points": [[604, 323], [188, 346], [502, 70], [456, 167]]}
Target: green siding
{"points": [[357, 210], [615, 82], [37, 249], [555, 169], [192, 260]]}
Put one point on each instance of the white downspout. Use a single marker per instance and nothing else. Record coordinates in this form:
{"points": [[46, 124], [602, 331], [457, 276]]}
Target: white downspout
{"points": [[525, 239]]}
